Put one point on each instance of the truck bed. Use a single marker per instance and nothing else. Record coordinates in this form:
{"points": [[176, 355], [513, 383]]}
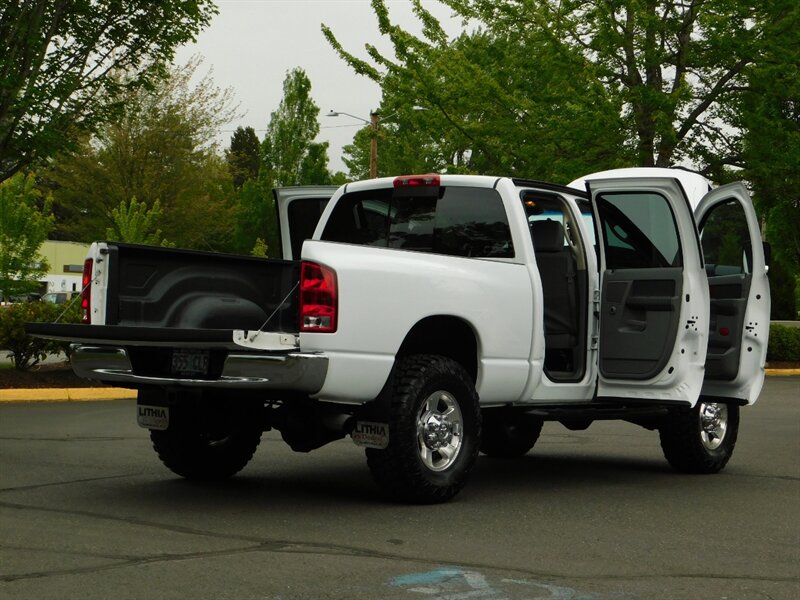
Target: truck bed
{"points": [[187, 289]]}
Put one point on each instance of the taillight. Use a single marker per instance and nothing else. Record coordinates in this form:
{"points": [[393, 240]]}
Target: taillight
{"points": [[405, 181], [318, 298], [86, 291]]}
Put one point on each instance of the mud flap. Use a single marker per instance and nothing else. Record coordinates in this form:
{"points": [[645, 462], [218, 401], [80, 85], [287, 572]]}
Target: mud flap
{"points": [[152, 410], [369, 434]]}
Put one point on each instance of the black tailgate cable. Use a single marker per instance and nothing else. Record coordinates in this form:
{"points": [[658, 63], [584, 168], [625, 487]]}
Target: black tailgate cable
{"points": [[74, 299], [274, 312]]}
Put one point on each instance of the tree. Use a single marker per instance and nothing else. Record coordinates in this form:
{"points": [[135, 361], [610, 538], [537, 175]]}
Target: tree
{"points": [[136, 224], [23, 228], [498, 102], [671, 69], [254, 218], [59, 60], [163, 148], [314, 166], [768, 113], [289, 156], [290, 134], [243, 155]]}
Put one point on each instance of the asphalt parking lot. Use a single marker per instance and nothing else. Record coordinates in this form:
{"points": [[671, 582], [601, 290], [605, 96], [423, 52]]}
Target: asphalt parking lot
{"points": [[86, 510]]}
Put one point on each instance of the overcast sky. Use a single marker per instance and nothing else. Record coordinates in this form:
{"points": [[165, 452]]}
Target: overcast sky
{"points": [[252, 44]]}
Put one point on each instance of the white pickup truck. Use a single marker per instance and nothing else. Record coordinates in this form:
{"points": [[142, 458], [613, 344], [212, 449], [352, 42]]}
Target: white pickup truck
{"points": [[434, 317]]}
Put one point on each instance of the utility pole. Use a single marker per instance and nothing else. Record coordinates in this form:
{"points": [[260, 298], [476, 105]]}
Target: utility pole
{"points": [[373, 146]]}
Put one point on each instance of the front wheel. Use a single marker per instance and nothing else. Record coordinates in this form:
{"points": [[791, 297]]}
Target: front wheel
{"points": [[434, 431], [700, 439]]}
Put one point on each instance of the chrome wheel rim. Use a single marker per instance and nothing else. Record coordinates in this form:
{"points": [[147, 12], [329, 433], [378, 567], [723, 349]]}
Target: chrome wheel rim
{"points": [[439, 431], [713, 424]]}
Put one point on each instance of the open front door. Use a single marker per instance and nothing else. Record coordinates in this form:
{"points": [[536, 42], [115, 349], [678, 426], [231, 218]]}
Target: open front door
{"points": [[654, 296], [737, 279]]}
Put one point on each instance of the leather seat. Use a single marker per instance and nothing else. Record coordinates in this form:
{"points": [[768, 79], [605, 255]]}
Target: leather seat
{"points": [[557, 271]]}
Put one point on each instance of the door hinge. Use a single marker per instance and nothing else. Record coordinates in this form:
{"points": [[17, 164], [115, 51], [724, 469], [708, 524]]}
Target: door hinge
{"points": [[593, 344]]}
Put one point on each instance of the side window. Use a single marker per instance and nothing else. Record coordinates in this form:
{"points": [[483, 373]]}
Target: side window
{"points": [[459, 222], [472, 222], [639, 231], [726, 240]]}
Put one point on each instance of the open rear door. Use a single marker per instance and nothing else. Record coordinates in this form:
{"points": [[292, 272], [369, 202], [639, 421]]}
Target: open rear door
{"points": [[299, 210], [740, 302], [654, 294]]}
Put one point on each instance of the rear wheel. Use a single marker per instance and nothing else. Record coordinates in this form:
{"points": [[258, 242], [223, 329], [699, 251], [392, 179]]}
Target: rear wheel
{"points": [[205, 443], [434, 431], [700, 439], [509, 434]]}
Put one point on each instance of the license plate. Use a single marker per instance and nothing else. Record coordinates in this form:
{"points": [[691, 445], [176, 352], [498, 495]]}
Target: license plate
{"points": [[189, 362]]}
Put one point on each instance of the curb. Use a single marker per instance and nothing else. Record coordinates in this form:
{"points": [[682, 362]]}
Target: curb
{"points": [[781, 372], [66, 394]]}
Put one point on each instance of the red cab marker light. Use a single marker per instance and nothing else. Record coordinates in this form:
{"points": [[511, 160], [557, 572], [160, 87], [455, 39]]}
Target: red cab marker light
{"points": [[430, 180]]}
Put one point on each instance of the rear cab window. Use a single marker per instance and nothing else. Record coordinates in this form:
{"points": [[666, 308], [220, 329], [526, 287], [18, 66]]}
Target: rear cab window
{"points": [[449, 220]]}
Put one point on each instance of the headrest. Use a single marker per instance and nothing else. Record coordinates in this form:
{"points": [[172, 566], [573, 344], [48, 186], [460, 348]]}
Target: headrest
{"points": [[548, 236]]}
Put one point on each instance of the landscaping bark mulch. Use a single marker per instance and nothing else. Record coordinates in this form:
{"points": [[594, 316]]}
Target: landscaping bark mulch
{"points": [[51, 375]]}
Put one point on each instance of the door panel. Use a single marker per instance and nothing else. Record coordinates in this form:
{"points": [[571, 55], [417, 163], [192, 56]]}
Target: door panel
{"points": [[654, 294], [728, 306], [736, 270], [639, 320]]}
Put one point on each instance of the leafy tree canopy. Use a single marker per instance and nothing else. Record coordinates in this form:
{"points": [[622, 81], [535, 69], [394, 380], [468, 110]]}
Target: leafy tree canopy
{"points": [[59, 60], [24, 226], [136, 224], [646, 83], [769, 115], [162, 147], [288, 152], [243, 155], [289, 156]]}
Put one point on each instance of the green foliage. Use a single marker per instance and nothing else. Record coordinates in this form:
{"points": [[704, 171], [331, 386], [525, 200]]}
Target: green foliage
{"points": [[784, 343], [260, 248], [161, 148], [782, 284], [24, 226], [136, 224], [243, 155], [496, 103], [288, 152], [769, 115], [289, 156], [254, 217], [58, 60], [314, 166], [554, 90], [26, 351]]}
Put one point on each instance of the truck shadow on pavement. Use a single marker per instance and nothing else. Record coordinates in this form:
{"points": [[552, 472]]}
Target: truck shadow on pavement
{"points": [[314, 484]]}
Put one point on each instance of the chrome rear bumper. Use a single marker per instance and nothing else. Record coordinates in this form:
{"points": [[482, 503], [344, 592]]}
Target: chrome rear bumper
{"points": [[292, 371]]}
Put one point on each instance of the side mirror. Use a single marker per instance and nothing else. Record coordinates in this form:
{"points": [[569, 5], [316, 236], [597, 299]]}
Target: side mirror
{"points": [[767, 254]]}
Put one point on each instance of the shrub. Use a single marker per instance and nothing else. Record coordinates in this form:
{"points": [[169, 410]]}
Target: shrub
{"points": [[26, 351], [784, 343]]}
